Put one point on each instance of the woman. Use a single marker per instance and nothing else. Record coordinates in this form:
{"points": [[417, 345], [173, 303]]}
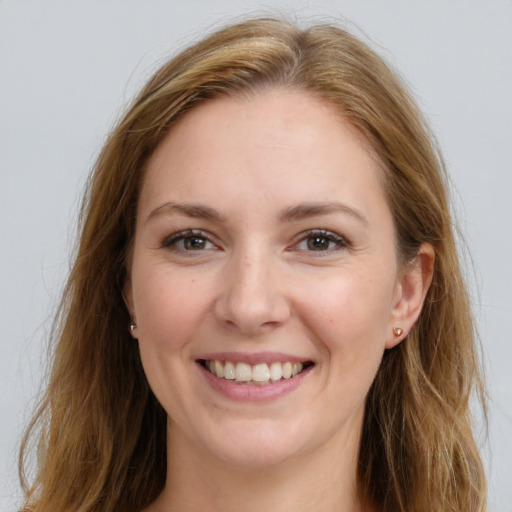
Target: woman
{"points": [[266, 309]]}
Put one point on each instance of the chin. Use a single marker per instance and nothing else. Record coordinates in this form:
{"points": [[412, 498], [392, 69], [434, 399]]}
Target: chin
{"points": [[263, 449], [254, 457]]}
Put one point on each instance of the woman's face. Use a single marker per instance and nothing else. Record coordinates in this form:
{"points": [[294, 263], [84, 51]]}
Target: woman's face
{"points": [[264, 245]]}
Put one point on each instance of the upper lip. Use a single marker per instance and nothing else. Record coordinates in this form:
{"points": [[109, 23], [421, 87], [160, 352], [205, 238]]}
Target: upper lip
{"points": [[253, 358]]}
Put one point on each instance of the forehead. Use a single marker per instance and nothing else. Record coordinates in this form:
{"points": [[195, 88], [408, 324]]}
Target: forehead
{"points": [[276, 110], [283, 143]]}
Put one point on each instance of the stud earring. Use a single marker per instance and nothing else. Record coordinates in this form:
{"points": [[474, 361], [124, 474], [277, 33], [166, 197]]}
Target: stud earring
{"points": [[133, 326], [397, 331]]}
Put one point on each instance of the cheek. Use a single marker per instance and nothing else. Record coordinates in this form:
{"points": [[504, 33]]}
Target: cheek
{"points": [[169, 307], [349, 317]]}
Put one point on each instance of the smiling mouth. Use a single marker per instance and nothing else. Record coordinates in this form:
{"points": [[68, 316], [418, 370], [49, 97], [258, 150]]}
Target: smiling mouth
{"points": [[255, 375]]}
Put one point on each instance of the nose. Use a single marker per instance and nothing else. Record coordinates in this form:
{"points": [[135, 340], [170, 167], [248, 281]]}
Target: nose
{"points": [[252, 299]]}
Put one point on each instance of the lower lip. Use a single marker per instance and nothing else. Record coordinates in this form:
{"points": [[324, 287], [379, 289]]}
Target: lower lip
{"points": [[248, 393]]}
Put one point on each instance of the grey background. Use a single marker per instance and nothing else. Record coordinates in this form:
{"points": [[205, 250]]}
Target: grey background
{"points": [[66, 69]]}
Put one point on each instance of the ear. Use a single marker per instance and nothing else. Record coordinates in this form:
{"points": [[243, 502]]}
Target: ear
{"points": [[128, 300], [411, 290]]}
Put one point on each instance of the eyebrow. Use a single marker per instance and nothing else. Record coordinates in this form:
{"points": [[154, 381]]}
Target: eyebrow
{"points": [[196, 211], [305, 210], [293, 213]]}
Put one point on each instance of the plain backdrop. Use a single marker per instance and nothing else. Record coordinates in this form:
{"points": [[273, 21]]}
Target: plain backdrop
{"points": [[68, 67]]}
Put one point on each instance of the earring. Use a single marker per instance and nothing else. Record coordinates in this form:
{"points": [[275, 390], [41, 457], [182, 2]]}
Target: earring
{"points": [[133, 326], [397, 331]]}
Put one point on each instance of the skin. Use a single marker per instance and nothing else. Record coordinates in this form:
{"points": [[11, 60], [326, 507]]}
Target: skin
{"points": [[254, 282]]}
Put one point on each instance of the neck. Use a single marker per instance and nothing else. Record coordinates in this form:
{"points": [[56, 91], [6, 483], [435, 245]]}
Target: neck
{"points": [[323, 480]]}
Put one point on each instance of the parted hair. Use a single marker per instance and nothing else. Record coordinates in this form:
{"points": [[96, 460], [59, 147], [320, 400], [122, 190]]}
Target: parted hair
{"points": [[100, 433]]}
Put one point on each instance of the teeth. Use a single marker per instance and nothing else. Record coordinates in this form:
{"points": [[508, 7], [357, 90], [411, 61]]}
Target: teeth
{"points": [[243, 372], [276, 371], [287, 370], [229, 371], [261, 373], [219, 370]]}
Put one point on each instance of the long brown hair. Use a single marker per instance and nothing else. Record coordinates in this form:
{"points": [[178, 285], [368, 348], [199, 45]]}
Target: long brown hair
{"points": [[102, 432]]}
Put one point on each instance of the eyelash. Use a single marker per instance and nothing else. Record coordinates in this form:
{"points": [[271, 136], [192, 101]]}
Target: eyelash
{"points": [[182, 236], [340, 242]]}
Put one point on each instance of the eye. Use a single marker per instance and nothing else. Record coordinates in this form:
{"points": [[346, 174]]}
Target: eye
{"points": [[319, 240], [189, 240]]}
